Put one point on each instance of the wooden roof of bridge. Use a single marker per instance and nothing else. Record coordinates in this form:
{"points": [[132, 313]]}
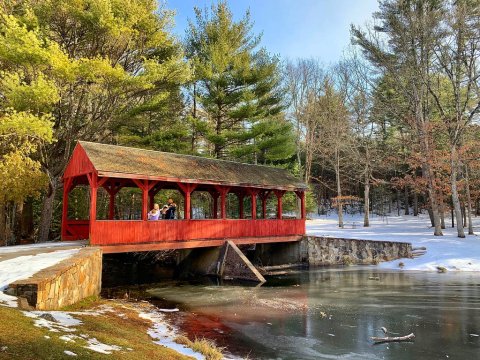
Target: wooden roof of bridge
{"points": [[135, 163]]}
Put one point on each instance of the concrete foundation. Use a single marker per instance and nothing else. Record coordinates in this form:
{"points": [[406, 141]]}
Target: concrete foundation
{"points": [[63, 284], [281, 253], [227, 262], [323, 251]]}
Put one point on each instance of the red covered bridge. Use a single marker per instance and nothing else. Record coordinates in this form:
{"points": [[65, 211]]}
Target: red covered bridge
{"points": [[115, 167]]}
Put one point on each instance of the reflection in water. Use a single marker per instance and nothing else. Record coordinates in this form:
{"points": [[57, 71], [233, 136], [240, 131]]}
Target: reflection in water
{"points": [[331, 314]]}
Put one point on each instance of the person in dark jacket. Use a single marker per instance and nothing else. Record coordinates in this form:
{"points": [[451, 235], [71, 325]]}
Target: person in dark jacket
{"points": [[172, 207]]}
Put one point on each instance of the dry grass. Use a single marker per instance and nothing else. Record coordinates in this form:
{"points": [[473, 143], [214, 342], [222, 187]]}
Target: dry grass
{"points": [[20, 339], [203, 346]]}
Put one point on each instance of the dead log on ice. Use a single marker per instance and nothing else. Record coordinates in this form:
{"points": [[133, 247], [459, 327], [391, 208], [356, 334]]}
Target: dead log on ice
{"points": [[379, 340]]}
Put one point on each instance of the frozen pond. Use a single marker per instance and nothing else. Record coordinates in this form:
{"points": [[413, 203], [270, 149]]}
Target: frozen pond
{"points": [[332, 313]]}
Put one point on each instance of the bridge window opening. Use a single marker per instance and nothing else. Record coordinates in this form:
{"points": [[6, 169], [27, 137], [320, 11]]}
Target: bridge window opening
{"points": [[233, 206], [202, 206], [79, 203], [103, 204], [128, 204], [291, 206]]}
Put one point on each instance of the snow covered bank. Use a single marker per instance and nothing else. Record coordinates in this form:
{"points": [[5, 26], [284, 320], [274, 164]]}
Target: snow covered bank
{"points": [[40, 246], [447, 251], [165, 335], [23, 267]]}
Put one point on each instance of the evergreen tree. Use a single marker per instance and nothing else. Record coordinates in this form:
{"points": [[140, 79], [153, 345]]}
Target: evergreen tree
{"points": [[237, 87]]}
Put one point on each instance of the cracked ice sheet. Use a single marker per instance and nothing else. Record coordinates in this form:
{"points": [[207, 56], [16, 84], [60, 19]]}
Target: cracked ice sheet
{"points": [[23, 267]]}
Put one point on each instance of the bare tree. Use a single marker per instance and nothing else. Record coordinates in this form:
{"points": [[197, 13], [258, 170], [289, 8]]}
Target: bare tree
{"points": [[304, 80], [410, 28], [454, 87], [355, 84]]}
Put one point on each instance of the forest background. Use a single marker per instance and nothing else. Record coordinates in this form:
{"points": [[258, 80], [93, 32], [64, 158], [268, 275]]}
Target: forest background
{"points": [[392, 127]]}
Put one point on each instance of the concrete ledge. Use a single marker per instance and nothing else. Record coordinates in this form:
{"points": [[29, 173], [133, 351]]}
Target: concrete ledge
{"points": [[63, 284], [323, 251]]}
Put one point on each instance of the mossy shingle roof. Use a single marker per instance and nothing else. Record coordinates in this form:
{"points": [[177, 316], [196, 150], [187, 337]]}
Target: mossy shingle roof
{"points": [[131, 162]]}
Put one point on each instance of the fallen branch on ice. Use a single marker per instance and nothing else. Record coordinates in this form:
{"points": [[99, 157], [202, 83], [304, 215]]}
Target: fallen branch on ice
{"points": [[379, 340]]}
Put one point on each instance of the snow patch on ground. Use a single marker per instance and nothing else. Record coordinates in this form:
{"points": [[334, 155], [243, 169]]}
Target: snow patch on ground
{"points": [[165, 335], [54, 321], [69, 353], [61, 321], [97, 346], [23, 267], [57, 244], [449, 251]]}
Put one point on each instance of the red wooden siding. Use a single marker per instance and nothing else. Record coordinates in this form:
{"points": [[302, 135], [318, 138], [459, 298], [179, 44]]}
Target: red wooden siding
{"points": [[79, 163], [75, 229], [104, 232]]}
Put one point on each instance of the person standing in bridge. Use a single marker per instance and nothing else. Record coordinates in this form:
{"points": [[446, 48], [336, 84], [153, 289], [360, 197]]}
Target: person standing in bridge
{"points": [[172, 207]]}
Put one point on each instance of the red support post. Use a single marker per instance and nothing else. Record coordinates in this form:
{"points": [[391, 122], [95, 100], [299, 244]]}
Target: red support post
{"points": [[301, 195], [279, 194], [253, 195], [223, 205], [187, 190], [223, 190], [214, 194], [112, 191], [66, 190], [145, 201], [215, 206], [143, 185], [264, 197], [188, 205], [241, 214], [92, 179], [111, 206]]}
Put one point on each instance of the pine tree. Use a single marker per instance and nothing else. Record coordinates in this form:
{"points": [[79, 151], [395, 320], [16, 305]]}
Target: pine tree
{"points": [[237, 87]]}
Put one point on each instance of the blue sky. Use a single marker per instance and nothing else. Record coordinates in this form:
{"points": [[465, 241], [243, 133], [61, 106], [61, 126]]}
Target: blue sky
{"points": [[292, 28]]}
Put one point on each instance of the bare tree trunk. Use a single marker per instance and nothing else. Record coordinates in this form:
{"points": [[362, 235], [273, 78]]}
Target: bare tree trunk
{"points": [[398, 202], [415, 203], [442, 213], [366, 202], [27, 219], [469, 201], [17, 225], [464, 216], [407, 204], [442, 218], [452, 215], [453, 183], [3, 224], [430, 215], [47, 211], [434, 216], [339, 189]]}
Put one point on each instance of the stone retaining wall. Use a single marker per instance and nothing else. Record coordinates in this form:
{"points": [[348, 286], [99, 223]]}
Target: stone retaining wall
{"points": [[63, 284], [323, 251]]}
